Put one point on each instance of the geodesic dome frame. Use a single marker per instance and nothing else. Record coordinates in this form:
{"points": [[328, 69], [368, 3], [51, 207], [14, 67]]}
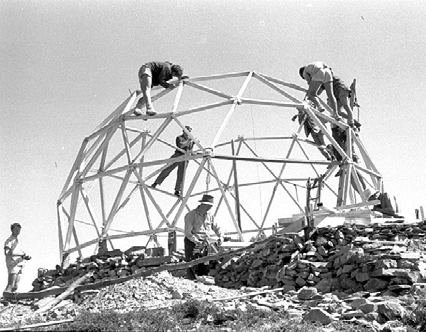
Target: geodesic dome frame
{"points": [[119, 159]]}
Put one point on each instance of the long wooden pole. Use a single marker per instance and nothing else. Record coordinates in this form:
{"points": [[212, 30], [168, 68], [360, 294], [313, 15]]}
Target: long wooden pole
{"points": [[60, 236], [90, 210], [116, 203], [232, 109], [216, 176], [237, 191], [209, 90], [286, 84], [240, 143], [274, 87], [74, 168], [190, 189], [73, 211], [148, 145]]}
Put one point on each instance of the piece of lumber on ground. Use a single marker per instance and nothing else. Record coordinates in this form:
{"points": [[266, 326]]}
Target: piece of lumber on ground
{"points": [[67, 292], [155, 261], [33, 326], [235, 244], [357, 205], [249, 294]]}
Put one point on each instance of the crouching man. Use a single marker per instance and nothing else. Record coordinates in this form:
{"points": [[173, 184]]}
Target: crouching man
{"points": [[199, 224]]}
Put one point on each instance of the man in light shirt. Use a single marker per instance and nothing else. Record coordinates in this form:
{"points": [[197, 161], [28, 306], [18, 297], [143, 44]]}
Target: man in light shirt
{"points": [[318, 75], [199, 224], [15, 258]]}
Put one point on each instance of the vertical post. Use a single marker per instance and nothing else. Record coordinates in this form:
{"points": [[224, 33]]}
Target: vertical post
{"points": [[308, 222], [237, 192], [61, 239], [422, 213], [172, 241]]}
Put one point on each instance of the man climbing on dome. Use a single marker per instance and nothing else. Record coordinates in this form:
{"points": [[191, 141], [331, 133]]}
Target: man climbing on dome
{"points": [[184, 145], [318, 74], [153, 74]]}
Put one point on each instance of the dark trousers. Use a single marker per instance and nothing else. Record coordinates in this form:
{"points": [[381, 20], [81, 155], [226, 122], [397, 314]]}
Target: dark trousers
{"points": [[200, 269], [180, 172]]}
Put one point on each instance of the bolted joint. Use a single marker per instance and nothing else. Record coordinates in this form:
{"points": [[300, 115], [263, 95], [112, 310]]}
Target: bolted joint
{"points": [[208, 151], [237, 100]]}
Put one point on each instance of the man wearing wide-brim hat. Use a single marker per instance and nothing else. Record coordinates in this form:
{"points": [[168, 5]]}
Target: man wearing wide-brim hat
{"points": [[199, 224]]}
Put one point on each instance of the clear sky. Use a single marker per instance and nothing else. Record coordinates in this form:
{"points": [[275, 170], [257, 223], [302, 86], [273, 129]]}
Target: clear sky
{"points": [[67, 64]]}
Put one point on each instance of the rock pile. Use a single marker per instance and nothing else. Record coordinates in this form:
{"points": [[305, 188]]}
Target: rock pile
{"points": [[105, 266], [348, 258]]}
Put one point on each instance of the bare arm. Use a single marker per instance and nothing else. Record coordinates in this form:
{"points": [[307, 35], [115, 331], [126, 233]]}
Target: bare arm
{"points": [[218, 230]]}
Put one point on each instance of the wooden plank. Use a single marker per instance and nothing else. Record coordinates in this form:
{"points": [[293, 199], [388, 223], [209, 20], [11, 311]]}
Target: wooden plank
{"points": [[227, 245], [276, 88], [155, 261], [271, 160], [252, 101], [249, 294], [279, 81], [357, 205], [209, 90], [217, 76], [204, 108], [236, 101]]}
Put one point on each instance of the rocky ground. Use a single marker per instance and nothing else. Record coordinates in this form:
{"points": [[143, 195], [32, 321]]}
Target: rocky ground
{"points": [[164, 290], [341, 274]]}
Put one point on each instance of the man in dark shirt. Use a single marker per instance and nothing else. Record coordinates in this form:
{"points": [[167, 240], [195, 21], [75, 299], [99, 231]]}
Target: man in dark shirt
{"points": [[184, 144], [153, 74]]}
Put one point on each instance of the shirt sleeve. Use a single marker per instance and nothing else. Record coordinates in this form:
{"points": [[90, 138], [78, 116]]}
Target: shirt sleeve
{"points": [[189, 225]]}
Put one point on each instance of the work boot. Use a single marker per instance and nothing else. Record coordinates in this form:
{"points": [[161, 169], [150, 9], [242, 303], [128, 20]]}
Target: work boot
{"points": [[150, 110], [137, 112], [357, 124]]}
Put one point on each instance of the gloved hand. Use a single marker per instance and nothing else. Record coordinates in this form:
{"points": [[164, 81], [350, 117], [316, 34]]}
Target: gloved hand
{"points": [[219, 242], [26, 257]]}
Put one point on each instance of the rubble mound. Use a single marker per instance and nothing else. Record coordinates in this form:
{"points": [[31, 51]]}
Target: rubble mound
{"points": [[105, 266], [349, 258]]}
